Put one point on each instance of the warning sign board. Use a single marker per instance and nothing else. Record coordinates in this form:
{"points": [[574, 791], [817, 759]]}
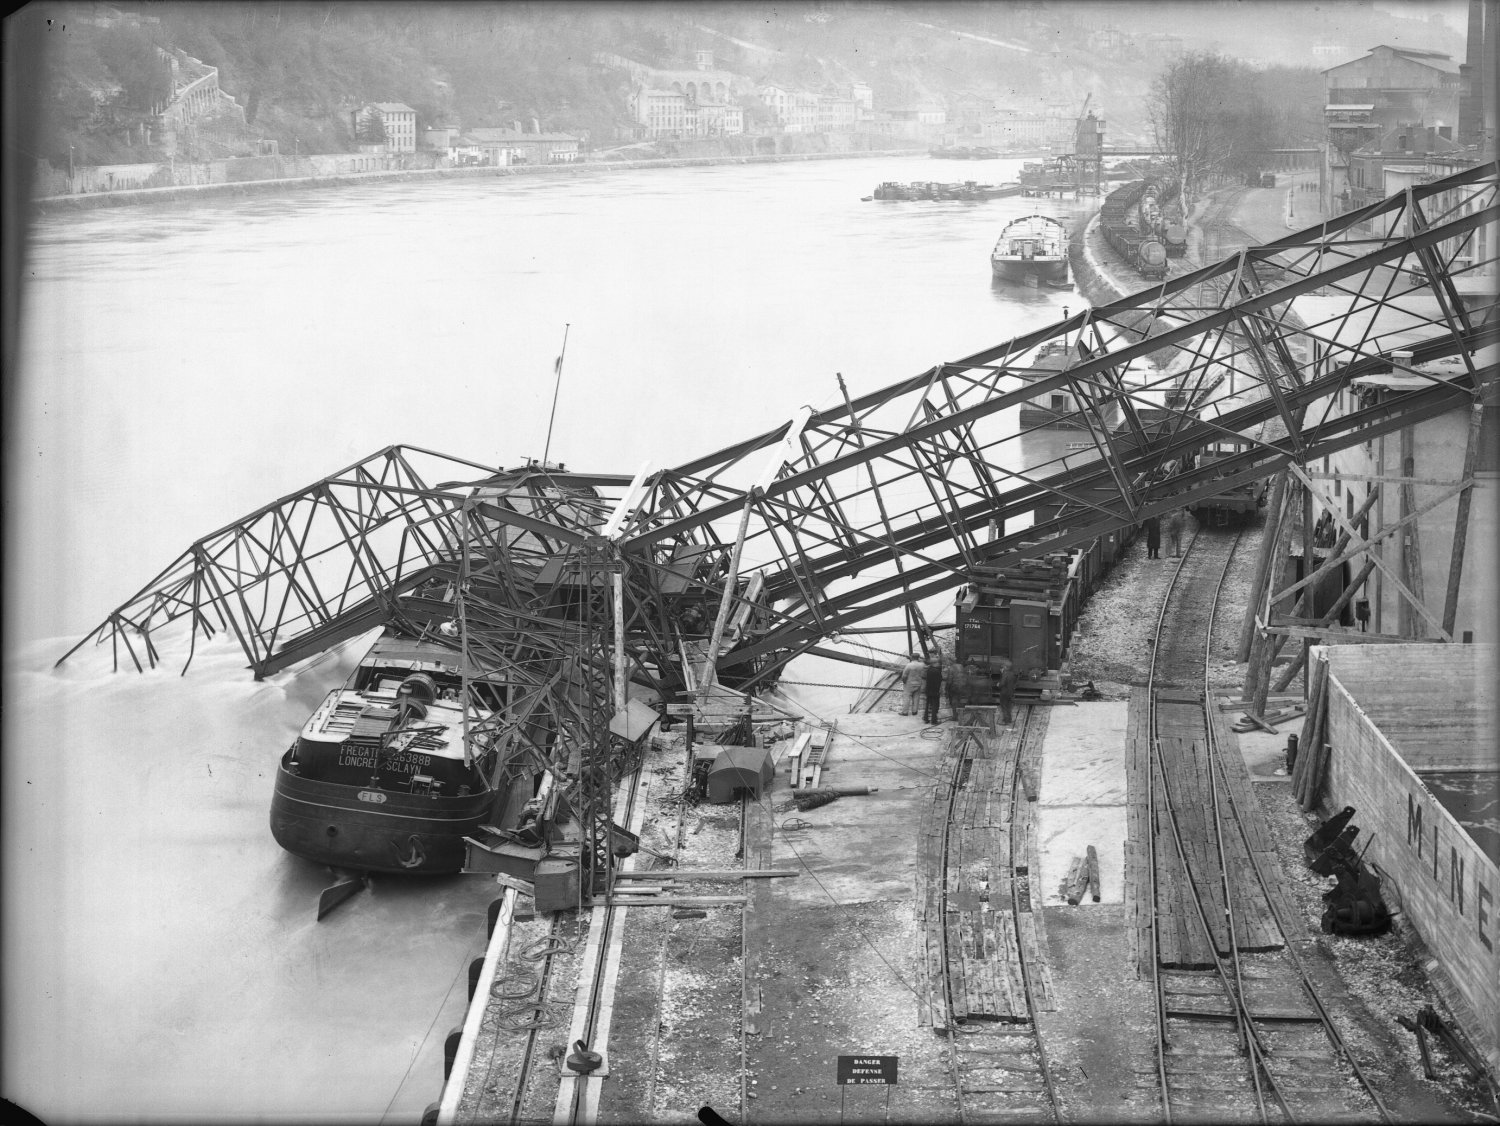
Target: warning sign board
{"points": [[867, 1069]]}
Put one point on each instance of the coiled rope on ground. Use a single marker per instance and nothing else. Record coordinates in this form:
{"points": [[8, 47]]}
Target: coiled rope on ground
{"points": [[520, 982]]}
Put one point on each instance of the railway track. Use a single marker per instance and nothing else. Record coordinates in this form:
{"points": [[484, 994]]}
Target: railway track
{"points": [[1242, 1033], [989, 979], [554, 985], [1221, 237], [578, 1092]]}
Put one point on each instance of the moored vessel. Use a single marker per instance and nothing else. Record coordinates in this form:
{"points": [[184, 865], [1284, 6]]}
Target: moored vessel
{"points": [[1033, 247], [378, 779], [1061, 410], [922, 189]]}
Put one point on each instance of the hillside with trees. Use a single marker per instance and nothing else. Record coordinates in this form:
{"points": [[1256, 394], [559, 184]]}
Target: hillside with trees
{"points": [[298, 69], [1214, 115]]}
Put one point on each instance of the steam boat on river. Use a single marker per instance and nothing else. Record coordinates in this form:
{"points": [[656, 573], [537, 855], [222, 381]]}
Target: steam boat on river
{"points": [[1032, 249], [378, 780]]}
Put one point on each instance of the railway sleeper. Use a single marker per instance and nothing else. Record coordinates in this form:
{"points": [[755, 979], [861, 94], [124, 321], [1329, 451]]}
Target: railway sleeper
{"points": [[1231, 1083], [1017, 1066], [978, 1115], [1331, 1083]]}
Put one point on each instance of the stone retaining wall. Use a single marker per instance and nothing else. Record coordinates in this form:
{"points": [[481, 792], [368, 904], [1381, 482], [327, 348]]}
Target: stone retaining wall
{"points": [[320, 175]]}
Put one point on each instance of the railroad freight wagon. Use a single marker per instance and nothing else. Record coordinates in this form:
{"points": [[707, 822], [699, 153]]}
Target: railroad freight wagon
{"points": [[1028, 613], [1133, 221], [1238, 503]]}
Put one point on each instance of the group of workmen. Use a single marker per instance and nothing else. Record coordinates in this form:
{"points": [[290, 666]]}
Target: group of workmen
{"points": [[1176, 523], [965, 685]]}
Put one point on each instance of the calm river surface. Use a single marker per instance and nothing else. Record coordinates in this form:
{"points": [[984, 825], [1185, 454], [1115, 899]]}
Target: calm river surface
{"points": [[182, 367]]}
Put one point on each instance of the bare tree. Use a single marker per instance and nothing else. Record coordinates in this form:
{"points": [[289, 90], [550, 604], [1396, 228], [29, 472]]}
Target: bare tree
{"points": [[1206, 114]]}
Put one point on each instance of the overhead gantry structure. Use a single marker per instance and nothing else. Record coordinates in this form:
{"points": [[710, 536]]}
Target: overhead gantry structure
{"points": [[894, 496]]}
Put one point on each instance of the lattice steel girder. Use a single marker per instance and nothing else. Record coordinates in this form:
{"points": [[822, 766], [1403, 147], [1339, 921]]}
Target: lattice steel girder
{"points": [[1262, 319], [795, 633], [686, 513], [939, 454], [330, 560]]}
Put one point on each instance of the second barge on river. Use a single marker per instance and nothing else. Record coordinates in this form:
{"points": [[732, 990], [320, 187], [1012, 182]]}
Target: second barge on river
{"points": [[1033, 250]]}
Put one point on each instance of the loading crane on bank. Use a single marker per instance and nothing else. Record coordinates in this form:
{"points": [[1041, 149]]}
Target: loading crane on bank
{"points": [[563, 585]]}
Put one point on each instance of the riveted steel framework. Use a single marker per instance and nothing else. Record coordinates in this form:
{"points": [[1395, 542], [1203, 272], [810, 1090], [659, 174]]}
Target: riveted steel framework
{"points": [[893, 496]]}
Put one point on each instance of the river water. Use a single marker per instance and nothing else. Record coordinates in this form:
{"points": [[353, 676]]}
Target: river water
{"points": [[182, 367]]}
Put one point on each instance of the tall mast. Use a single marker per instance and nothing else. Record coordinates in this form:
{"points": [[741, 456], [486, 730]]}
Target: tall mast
{"points": [[556, 386]]}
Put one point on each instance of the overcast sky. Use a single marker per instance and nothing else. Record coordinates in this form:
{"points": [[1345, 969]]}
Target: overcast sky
{"points": [[1455, 12]]}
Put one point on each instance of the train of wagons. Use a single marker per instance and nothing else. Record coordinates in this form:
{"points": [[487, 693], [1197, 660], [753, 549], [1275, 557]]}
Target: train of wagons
{"points": [[1137, 226], [1027, 613]]}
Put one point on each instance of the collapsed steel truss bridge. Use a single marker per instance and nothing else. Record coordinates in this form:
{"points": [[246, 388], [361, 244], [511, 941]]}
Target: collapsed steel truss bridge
{"points": [[846, 514]]}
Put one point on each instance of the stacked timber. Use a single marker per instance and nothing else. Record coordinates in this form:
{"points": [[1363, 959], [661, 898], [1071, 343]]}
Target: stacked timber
{"points": [[1042, 579]]}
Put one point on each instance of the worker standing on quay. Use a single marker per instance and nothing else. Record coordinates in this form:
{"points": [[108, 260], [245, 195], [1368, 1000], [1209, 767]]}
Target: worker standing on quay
{"points": [[957, 684], [1174, 532], [913, 678], [933, 684], [1005, 687], [1153, 537]]}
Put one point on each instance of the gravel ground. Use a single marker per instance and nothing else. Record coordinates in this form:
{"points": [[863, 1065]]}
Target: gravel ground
{"points": [[1112, 643], [1372, 979]]}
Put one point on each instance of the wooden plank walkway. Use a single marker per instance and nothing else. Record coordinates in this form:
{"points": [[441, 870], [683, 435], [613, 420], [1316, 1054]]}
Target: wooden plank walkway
{"points": [[969, 960], [1181, 717]]}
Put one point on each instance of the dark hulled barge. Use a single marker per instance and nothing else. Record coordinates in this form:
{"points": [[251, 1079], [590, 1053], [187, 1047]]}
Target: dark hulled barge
{"points": [[378, 779]]}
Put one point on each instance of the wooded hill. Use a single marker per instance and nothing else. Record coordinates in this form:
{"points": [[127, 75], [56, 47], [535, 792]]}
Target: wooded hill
{"points": [[299, 68]]}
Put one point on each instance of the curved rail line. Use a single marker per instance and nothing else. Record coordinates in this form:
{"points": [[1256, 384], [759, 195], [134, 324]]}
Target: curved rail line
{"points": [[999, 1068], [1259, 1007]]}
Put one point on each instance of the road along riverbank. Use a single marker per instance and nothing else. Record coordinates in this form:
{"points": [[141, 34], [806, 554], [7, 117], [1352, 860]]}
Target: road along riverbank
{"points": [[184, 193]]}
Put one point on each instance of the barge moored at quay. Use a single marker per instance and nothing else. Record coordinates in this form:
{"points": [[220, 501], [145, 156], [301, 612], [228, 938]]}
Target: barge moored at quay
{"points": [[1033, 250], [381, 779]]}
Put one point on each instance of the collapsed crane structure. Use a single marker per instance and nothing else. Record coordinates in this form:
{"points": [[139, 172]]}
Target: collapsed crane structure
{"points": [[707, 578]]}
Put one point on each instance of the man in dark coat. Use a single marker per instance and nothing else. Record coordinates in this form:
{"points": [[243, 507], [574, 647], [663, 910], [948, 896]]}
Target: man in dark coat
{"points": [[1005, 688], [1153, 537], [934, 689]]}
